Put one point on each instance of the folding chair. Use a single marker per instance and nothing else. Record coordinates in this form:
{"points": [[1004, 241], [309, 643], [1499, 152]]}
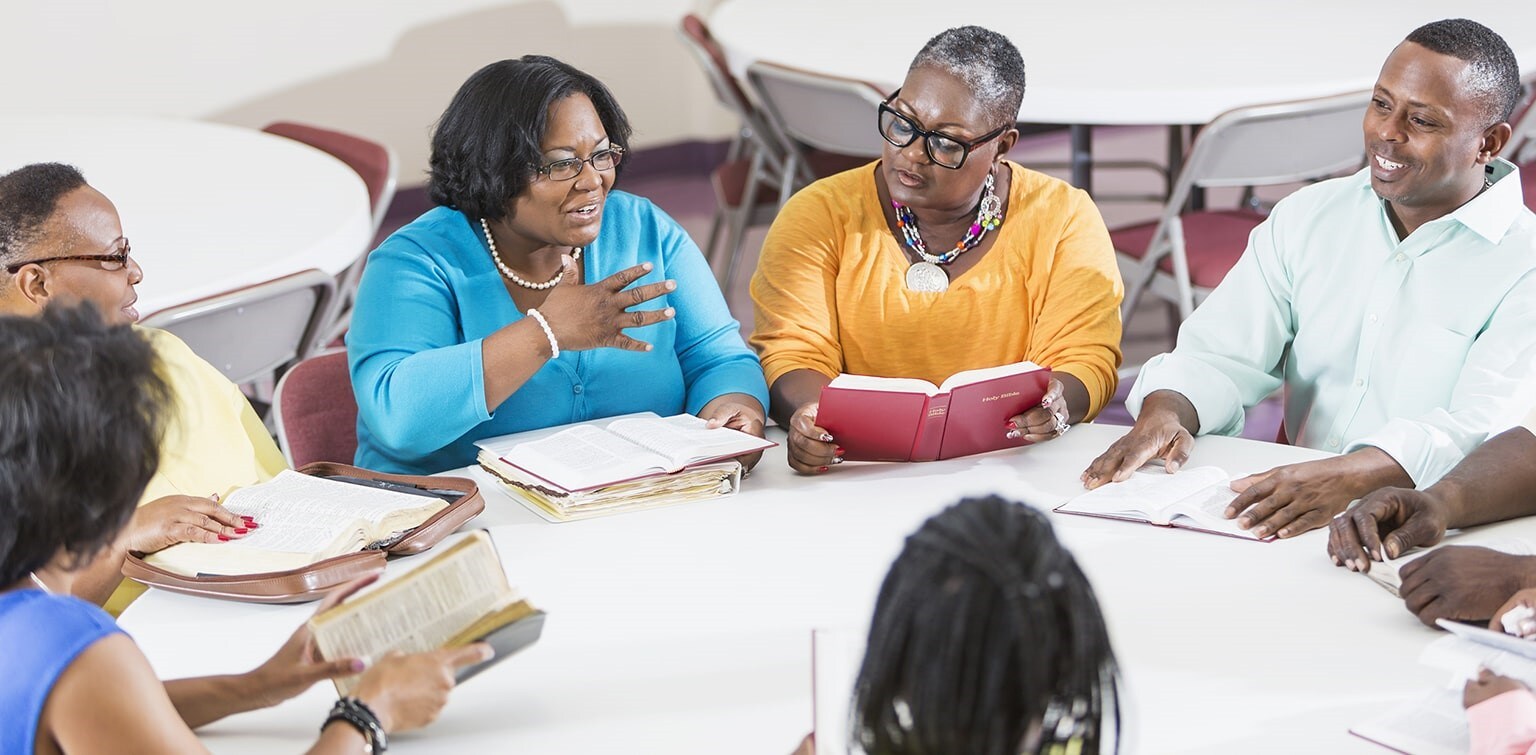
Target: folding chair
{"points": [[253, 332], [1184, 254], [815, 111], [315, 411], [375, 164]]}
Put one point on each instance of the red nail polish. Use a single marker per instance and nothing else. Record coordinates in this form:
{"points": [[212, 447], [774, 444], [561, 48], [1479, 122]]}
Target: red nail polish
{"points": [[839, 451], [252, 525], [823, 469], [246, 518], [241, 530], [223, 538]]}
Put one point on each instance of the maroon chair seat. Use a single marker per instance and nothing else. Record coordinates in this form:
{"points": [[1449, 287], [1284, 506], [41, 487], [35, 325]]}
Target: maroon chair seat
{"points": [[316, 412], [1213, 242]]}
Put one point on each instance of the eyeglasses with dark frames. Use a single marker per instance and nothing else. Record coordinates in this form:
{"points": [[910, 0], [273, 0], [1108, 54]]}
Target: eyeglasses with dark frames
{"points": [[569, 168], [109, 262], [943, 150]]}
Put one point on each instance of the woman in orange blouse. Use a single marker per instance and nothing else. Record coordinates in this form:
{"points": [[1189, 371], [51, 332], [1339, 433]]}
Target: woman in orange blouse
{"points": [[939, 258]]}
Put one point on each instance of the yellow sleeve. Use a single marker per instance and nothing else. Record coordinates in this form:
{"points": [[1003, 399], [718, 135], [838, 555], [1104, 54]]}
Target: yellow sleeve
{"points": [[1078, 330], [794, 290]]}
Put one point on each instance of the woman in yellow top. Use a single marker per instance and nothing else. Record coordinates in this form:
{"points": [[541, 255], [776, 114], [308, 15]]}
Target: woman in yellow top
{"points": [[939, 258], [62, 242]]}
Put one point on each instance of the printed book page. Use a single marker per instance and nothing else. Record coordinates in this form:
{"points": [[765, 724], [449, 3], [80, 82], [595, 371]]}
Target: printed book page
{"points": [[303, 519], [422, 610], [883, 384], [1388, 573], [685, 439], [1197, 495], [1434, 724], [967, 377]]}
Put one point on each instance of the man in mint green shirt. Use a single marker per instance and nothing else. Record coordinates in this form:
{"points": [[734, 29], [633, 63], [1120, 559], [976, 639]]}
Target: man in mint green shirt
{"points": [[1396, 307]]}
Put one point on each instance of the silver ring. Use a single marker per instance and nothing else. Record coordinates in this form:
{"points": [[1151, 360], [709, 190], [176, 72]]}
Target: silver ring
{"points": [[1061, 425]]}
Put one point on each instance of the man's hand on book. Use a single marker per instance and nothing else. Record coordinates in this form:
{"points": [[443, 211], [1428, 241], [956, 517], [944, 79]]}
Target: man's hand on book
{"points": [[811, 448], [1463, 583], [1161, 432], [738, 411], [1386, 524], [408, 691], [164, 522], [1289, 500], [595, 316]]}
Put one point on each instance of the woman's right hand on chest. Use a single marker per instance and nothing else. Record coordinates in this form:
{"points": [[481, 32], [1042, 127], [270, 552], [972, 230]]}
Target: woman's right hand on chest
{"points": [[595, 316]]}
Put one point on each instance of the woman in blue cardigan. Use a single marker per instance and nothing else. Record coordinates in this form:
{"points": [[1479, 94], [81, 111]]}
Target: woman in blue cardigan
{"points": [[536, 295]]}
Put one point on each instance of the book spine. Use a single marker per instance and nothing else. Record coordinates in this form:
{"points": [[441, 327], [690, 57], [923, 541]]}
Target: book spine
{"points": [[930, 431]]}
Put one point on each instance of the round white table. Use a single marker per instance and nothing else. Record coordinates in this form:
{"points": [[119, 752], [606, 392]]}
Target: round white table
{"points": [[1120, 63], [688, 629], [208, 207]]}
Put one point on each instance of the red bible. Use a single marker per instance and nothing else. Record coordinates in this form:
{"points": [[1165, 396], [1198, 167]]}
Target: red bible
{"points": [[905, 419]]}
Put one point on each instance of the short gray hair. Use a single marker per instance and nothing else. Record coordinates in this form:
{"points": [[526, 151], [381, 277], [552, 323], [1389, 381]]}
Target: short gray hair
{"points": [[986, 61]]}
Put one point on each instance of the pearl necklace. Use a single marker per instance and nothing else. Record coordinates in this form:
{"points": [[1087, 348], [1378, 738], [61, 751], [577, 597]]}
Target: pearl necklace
{"points": [[512, 274]]}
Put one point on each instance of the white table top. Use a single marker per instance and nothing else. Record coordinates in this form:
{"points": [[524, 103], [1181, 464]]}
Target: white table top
{"points": [[687, 630], [1120, 63], [208, 207]]}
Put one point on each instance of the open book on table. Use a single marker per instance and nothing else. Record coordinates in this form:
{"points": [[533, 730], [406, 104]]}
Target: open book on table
{"points": [[1195, 498], [458, 597], [904, 419], [305, 519], [1434, 722], [584, 457]]}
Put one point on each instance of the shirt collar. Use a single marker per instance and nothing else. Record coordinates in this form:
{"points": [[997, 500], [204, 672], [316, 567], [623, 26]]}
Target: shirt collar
{"points": [[1489, 214]]}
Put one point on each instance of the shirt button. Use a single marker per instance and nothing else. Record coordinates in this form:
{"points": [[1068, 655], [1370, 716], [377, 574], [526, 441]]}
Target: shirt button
{"points": [[1333, 442], [1402, 257], [1359, 382], [1373, 318], [576, 389]]}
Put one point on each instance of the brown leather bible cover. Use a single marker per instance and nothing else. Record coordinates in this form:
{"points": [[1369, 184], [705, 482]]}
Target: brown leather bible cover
{"points": [[315, 580]]}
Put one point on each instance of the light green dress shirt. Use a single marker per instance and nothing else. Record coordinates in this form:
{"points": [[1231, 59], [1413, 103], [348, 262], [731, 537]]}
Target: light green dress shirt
{"points": [[1422, 347]]}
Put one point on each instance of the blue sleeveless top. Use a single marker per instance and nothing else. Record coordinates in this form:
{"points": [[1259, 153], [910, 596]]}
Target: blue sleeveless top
{"points": [[40, 635]]}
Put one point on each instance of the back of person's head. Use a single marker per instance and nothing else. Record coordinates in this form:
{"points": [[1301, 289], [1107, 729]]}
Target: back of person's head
{"points": [[488, 143], [988, 63], [81, 408], [1495, 74], [986, 640], [28, 197]]}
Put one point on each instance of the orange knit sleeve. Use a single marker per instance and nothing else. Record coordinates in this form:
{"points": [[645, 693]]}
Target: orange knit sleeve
{"points": [[794, 288]]}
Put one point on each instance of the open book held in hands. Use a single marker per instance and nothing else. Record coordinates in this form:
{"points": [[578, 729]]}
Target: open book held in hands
{"points": [[460, 596], [905, 419], [1193, 499]]}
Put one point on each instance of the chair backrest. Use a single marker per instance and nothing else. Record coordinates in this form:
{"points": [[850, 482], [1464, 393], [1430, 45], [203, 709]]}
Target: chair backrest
{"points": [[1279, 143], [1522, 141], [372, 161], [250, 332], [824, 112], [315, 411]]}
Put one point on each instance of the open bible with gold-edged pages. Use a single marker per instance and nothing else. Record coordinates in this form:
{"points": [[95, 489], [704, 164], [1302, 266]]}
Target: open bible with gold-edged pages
{"points": [[459, 596]]}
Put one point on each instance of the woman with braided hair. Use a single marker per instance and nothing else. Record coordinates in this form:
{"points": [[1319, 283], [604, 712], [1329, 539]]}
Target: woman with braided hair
{"points": [[986, 639]]}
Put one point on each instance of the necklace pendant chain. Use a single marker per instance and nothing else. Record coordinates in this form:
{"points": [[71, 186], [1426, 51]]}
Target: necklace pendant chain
{"points": [[511, 274], [989, 215]]}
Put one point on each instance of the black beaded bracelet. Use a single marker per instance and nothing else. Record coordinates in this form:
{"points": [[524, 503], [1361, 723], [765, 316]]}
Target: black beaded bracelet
{"points": [[360, 717]]}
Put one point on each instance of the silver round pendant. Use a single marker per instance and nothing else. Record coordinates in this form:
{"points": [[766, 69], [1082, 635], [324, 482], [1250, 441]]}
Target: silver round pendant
{"points": [[927, 277]]}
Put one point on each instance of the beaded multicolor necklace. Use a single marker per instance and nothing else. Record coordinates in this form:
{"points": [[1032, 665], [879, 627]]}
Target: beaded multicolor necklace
{"points": [[928, 275]]}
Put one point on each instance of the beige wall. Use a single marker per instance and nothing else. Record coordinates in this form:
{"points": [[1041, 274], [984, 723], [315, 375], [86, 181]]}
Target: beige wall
{"points": [[380, 68]]}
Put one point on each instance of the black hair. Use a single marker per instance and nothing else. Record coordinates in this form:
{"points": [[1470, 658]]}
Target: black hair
{"points": [[986, 640], [28, 197], [80, 429], [986, 61], [487, 144], [1495, 72]]}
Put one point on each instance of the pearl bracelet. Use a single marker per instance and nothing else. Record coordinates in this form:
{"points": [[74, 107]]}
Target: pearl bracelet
{"points": [[554, 346]]}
